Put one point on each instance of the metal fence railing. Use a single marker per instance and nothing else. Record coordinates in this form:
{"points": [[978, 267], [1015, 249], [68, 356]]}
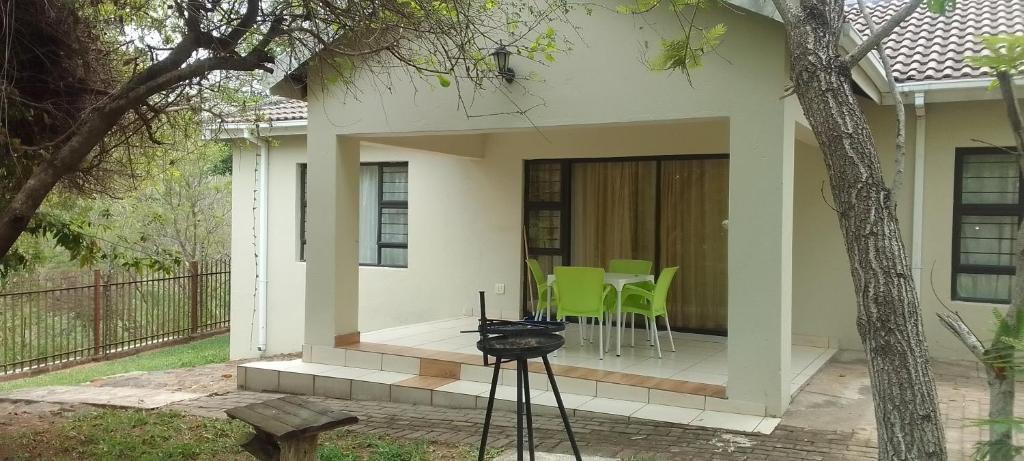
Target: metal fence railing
{"points": [[116, 313]]}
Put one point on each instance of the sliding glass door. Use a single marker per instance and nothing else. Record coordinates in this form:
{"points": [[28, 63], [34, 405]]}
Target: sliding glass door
{"points": [[669, 210]]}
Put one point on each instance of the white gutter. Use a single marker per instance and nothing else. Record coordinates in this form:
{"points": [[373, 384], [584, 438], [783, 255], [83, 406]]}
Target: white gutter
{"points": [[918, 210], [261, 241]]}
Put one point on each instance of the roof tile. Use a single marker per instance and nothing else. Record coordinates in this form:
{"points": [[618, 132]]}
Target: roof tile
{"points": [[930, 47]]}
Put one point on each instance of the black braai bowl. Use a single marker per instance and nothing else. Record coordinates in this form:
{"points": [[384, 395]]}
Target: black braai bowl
{"points": [[522, 327], [520, 346]]}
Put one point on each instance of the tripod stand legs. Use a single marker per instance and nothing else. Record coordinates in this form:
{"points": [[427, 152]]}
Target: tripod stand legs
{"points": [[524, 373], [561, 409], [524, 407], [490, 409]]}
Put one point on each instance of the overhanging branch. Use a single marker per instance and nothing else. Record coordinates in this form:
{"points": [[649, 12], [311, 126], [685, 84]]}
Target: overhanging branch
{"points": [[883, 31]]}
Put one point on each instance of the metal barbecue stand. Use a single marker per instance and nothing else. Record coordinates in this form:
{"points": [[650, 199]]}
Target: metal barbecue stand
{"points": [[509, 341]]}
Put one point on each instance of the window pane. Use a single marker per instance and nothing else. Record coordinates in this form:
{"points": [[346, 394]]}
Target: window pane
{"points": [[394, 257], [303, 216], [987, 240], [369, 178], [990, 179], [544, 228], [992, 287], [394, 225], [544, 182], [396, 183]]}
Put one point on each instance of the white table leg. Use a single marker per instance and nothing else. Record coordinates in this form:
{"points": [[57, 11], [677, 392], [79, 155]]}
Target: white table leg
{"points": [[618, 320], [548, 307]]}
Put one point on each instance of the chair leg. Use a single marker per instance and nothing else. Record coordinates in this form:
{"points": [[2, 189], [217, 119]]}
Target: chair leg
{"points": [[669, 328], [600, 339], [632, 330], [657, 343], [581, 330], [608, 321]]}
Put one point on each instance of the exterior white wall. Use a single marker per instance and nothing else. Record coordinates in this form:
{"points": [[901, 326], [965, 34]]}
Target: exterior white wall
{"points": [[285, 273], [823, 301]]}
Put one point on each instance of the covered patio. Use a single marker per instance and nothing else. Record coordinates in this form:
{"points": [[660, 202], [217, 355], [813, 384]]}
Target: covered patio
{"points": [[477, 217]]}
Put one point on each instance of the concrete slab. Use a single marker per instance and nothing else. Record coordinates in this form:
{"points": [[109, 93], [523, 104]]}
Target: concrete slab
{"points": [[511, 456], [116, 397]]}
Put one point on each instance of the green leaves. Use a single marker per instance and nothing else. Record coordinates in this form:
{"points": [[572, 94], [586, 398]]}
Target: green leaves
{"points": [[1005, 53], [443, 81], [684, 54], [941, 6]]}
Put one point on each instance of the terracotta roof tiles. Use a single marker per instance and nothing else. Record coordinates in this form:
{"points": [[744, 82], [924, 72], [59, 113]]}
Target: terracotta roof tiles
{"points": [[929, 47]]}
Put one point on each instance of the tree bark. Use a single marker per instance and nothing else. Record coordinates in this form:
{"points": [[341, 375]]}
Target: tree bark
{"points": [[888, 311], [1000, 364]]}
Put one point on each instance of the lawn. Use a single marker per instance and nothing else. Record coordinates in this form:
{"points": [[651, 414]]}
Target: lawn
{"points": [[202, 352], [140, 435]]}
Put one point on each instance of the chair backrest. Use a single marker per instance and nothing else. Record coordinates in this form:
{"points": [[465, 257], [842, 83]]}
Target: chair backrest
{"points": [[630, 266], [538, 274], [661, 288], [580, 290]]}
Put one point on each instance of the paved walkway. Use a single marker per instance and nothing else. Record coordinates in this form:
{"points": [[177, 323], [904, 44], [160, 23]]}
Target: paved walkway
{"points": [[839, 399], [831, 419], [597, 436]]}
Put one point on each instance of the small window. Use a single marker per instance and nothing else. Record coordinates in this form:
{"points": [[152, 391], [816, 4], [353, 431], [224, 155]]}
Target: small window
{"points": [[384, 214], [986, 213], [302, 212]]}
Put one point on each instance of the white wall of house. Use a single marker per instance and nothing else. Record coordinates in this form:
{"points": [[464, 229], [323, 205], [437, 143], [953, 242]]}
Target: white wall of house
{"points": [[285, 273], [823, 301], [466, 217]]}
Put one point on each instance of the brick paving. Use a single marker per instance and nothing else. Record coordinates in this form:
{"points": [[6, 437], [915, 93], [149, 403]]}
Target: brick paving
{"points": [[597, 436], [831, 419]]}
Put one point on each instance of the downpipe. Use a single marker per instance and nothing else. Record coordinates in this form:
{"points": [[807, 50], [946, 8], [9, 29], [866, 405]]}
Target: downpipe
{"points": [[261, 241], [917, 239]]}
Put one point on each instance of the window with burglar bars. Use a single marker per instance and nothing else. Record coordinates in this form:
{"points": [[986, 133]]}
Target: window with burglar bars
{"points": [[383, 214], [987, 210]]}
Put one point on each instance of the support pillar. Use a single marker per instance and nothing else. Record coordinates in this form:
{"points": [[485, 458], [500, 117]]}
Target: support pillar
{"points": [[332, 256], [761, 253]]}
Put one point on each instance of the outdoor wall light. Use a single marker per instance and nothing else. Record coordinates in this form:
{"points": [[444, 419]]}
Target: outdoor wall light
{"points": [[501, 55]]}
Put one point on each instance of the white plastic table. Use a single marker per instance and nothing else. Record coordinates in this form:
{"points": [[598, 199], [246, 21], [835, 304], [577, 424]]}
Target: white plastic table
{"points": [[618, 281]]}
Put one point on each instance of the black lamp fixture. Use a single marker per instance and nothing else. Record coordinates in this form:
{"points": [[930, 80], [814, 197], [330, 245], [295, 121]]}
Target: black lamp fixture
{"points": [[501, 55]]}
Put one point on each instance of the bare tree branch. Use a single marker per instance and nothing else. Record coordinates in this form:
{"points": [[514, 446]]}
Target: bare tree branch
{"points": [[876, 37], [901, 111], [955, 324], [786, 11]]}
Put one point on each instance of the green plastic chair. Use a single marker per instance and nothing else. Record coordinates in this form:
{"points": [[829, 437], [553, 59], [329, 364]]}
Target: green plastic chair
{"points": [[541, 282], [581, 294], [631, 266], [652, 304]]}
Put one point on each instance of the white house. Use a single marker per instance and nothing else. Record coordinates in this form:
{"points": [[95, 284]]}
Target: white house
{"points": [[380, 210]]}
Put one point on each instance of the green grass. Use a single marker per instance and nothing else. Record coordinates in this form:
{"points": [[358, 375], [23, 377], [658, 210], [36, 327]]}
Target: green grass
{"points": [[141, 435], [202, 352]]}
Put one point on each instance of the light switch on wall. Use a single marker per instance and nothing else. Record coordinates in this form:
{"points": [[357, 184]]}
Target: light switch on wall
{"points": [[499, 288]]}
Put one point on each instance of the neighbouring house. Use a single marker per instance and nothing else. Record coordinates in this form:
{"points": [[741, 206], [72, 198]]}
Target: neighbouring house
{"points": [[366, 220]]}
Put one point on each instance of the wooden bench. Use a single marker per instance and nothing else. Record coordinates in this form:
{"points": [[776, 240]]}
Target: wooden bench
{"points": [[287, 428]]}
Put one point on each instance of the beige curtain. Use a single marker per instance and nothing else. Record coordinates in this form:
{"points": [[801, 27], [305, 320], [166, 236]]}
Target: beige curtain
{"points": [[612, 212], [694, 202]]}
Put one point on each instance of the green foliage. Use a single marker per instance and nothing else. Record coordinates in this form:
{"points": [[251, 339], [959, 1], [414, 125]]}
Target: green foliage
{"points": [[175, 208], [986, 449], [941, 6], [685, 54], [1005, 53]]}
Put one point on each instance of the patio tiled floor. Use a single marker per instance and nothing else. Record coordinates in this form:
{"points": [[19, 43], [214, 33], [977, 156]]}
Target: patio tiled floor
{"points": [[698, 358]]}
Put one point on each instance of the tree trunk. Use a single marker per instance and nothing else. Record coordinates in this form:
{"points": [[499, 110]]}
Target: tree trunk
{"points": [[1000, 356], [888, 310], [1001, 393]]}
